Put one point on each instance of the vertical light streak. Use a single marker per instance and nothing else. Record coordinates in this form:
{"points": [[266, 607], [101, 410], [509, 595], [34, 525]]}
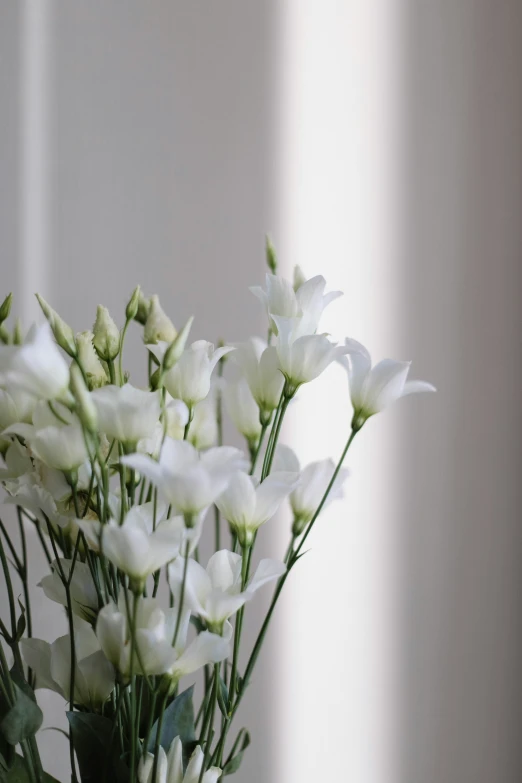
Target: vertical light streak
{"points": [[339, 216]]}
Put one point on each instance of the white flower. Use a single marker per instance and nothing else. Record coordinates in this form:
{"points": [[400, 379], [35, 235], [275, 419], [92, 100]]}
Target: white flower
{"points": [[62, 448], [155, 631], [215, 594], [260, 366], [374, 388], [306, 497], [158, 326], [303, 357], [84, 599], [126, 413], [88, 358], [307, 302], [17, 462], [15, 406], [299, 277], [170, 766], [243, 409], [203, 432], [134, 547], [94, 675], [188, 480], [189, 379], [246, 506], [155, 628], [37, 367], [59, 445]]}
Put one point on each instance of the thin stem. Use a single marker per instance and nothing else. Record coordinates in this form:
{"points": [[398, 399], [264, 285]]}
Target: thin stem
{"points": [[163, 707], [122, 340], [213, 701], [134, 727], [257, 452], [182, 595]]}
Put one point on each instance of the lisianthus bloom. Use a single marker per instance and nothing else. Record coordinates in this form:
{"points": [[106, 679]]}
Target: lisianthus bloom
{"points": [[243, 410], [94, 675], [260, 366], [126, 413], [84, 599], [56, 438], [246, 504], [203, 431], [214, 594], [37, 367], [15, 406], [134, 547], [189, 379], [188, 480], [307, 496], [170, 767], [303, 356], [154, 636], [307, 302], [372, 389]]}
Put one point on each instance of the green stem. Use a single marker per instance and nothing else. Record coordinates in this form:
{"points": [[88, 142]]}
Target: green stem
{"points": [[163, 707], [264, 427], [182, 594], [122, 340], [213, 700]]}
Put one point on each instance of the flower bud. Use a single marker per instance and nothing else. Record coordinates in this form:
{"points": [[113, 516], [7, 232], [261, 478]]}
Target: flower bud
{"points": [[88, 358], [106, 335], [63, 334], [5, 308], [132, 308], [299, 277], [143, 308], [158, 327], [86, 409], [4, 335], [177, 346], [18, 335], [271, 258]]}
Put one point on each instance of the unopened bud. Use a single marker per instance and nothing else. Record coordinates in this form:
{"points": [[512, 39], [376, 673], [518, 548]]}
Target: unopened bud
{"points": [[4, 335], [63, 334], [143, 309], [85, 406], [106, 335], [132, 308], [158, 327], [88, 359], [5, 308], [18, 335], [177, 346], [271, 258], [299, 277]]}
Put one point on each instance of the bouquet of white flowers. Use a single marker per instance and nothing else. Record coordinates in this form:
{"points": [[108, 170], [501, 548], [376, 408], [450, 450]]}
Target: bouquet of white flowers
{"points": [[118, 481]]}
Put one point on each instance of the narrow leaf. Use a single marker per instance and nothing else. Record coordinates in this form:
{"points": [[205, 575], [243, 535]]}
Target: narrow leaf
{"points": [[234, 762]]}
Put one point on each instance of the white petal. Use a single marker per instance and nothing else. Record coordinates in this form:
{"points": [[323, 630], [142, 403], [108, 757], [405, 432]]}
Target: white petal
{"points": [[206, 648], [223, 569], [271, 493], [413, 387], [266, 571], [37, 655], [385, 384], [175, 761]]}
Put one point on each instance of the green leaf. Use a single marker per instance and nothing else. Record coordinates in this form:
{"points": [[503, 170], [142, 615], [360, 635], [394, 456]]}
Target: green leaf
{"points": [[178, 721], [222, 696], [95, 749], [234, 762], [18, 773], [23, 719], [21, 624]]}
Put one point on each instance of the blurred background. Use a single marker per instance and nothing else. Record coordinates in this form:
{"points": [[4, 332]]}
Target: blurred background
{"points": [[379, 143]]}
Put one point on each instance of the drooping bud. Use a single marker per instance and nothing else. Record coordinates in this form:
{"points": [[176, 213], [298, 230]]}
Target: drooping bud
{"points": [[106, 335], [143, 309], [85, 407], [63, 334], [177, 346], [88, 358], [271, 258], [5, 308], [132, 307], [158, 327]]}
